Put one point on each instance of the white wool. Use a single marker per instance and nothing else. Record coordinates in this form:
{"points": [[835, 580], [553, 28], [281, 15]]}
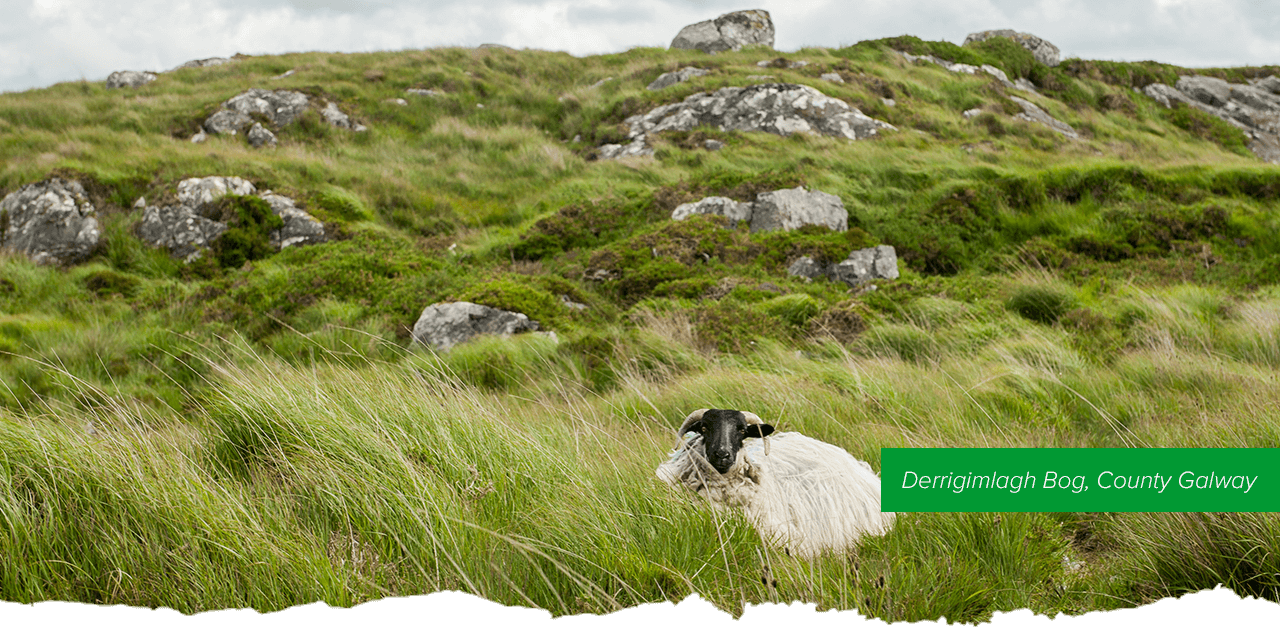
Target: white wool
{"points": [[805, 494]]}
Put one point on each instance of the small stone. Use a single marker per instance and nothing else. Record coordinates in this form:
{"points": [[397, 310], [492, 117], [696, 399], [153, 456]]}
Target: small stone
{"points": [[140, 203], [397, 101], [889, 102], [422, 92], [866, 264], [718, 206], [713, 144], [832, 77], [972, 113], [679, 76], [285, 75], [129, 78], [806, 268], [199, 137], [260, 136], [567, 302]]}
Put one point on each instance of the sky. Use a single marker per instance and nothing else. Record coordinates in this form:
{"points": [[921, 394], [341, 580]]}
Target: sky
{"points": [[48, 41]]}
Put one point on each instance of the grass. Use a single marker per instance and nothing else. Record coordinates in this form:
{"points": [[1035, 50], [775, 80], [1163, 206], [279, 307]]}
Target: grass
{"points": [[257, 430]]}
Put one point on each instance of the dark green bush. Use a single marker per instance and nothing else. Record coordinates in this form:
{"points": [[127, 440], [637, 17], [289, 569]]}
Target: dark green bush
{"points": [[250, 221], [107, 282], [1041, 303]]}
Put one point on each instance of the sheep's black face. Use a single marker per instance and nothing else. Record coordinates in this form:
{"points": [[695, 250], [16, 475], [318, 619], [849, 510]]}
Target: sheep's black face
{"points": [[723, 431]]}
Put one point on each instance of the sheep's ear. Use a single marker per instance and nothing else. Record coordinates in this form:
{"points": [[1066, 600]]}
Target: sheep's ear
{"points": [[759, 431]]}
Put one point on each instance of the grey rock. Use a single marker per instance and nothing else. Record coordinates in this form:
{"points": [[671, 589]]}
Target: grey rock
{"points": [[1165, 95], [190, 226], [1024, 85], [1270, 84], [140, 203], [199, 137], [889, 102], [972, 113], [334, 116], [866, 264], [50, 222], [1214, 92], [129, 78], [260, 136], [1044, 51], [833, 77], [600, 82], [789, 209], [285, 75], [280, 106], [180, 229], [806, 268], [445, 325], [397, 101], [679, 76], [778, 108], [964, 68], [227, 122], [210, 62], [300, 228], [761, 77], [730, 31], [718, 206], [422, 92], [1032, 113], [571, 304], [713, 144]]}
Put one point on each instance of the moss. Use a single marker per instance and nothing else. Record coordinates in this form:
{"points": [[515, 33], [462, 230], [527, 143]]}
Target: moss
{"points": [[793, 309], [109, 282], [250, 221], [342, 204]]}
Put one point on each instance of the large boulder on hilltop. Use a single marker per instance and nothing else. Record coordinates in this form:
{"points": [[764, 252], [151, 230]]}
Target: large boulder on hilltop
{"points": [[778, 108], [790, 209], [50, 222], [730, 31], [129, 78], [1044, 51], [445, 325], [189, 227]]}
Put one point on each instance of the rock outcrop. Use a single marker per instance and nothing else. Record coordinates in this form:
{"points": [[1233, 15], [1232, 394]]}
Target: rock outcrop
{"points": [[445, 325], [730, 31], [259, 136], [1032, 113], [280, 107], [1253, 107], [679, 76], [129, 78], [964, 68], [784, 209], [50, 222], [880, 262], [1044, 51], [778, 108], [210, 62], [191, 226]]}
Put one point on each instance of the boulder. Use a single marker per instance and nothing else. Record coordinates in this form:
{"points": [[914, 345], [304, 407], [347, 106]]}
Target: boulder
{"points": [[718, 206], [833, 77], [1043, 51], [280, 106], [259, 136], [790, 209], [1214, 92], [778, 108], [445, 325], [866, 264], [1032, 113], [226, 122], [49, 222], [730, 31], [806, 268], [129, 78], [335, 117], [210, 62], [784, 209], [679, 76], [422, 92], [190, 226]]}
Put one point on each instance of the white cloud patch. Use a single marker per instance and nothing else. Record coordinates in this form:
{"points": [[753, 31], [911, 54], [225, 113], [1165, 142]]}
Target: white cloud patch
{"points": [[46, 41]]}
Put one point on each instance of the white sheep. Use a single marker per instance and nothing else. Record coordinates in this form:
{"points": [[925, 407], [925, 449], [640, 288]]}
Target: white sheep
{"points": [[804, 494]]}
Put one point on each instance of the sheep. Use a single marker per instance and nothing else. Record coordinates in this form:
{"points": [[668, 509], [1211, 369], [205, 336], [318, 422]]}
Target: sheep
{"points": [[802, 493]]}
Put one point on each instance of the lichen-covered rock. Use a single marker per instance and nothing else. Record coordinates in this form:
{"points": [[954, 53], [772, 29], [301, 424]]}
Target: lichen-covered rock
{"points": [[226, 122], [280, 106], [445, 325], [1253, 108], [790, 209], [1043, 51], [730, 31], [679, 76], [259, 136], [866, 264], [778, 108], [335, 117], [189, 227], [1032, 113], [964, 68], [806, 268], [299, 227], [49, 222], [129, 78], [718, 206]]}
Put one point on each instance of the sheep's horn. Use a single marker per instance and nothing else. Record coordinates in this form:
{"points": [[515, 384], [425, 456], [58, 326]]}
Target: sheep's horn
{"points": [[753, 419], [689, 420]]}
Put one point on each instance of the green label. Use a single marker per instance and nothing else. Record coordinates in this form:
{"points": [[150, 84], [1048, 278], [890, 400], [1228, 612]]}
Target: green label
{"points": [[1080, 479]]}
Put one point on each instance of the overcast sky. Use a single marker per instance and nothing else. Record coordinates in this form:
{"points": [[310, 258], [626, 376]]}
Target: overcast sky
{"points": [[47, 41]]}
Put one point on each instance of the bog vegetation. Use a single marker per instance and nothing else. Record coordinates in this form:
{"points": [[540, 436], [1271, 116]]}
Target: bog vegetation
{"points": [[256, 429]]}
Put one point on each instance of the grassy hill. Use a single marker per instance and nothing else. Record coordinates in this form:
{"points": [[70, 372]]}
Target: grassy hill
{"points": [[200, 437]]}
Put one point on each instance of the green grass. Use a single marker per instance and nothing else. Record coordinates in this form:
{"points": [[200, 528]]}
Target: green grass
{"points": [[257, 429]]}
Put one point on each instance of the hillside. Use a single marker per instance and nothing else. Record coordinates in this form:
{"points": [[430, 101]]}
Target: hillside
{"points": [[257, 428]]}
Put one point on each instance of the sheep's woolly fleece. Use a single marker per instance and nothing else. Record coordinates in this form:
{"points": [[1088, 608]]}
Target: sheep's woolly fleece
{"points": [[805, 494]]}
